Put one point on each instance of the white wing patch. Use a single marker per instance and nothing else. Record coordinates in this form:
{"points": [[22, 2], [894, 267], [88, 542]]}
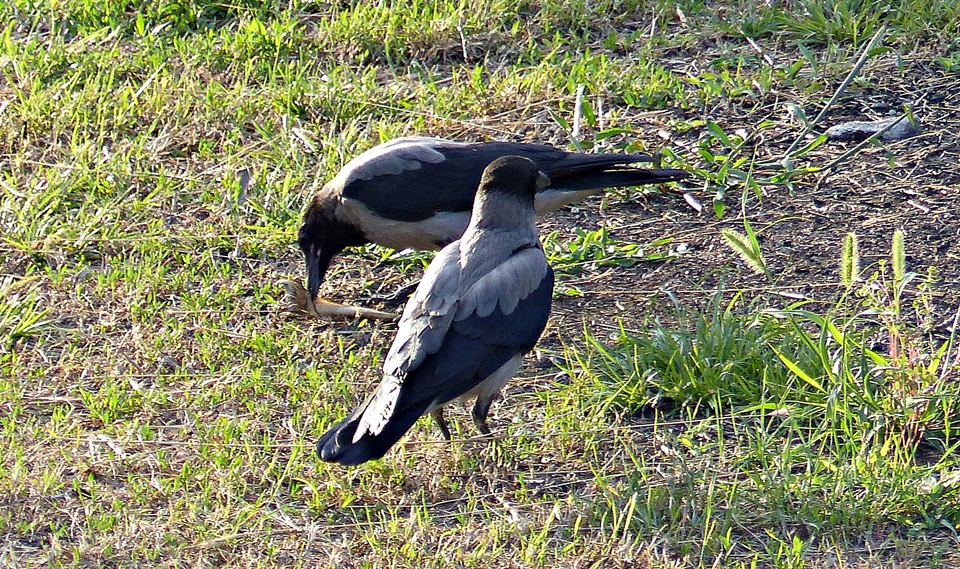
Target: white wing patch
{"points": [[380, 409]]}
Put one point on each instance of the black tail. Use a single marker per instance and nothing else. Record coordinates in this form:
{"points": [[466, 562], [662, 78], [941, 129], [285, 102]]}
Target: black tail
{"points": [[577, 172], [575, 163], [612, 178], [336, 445]]}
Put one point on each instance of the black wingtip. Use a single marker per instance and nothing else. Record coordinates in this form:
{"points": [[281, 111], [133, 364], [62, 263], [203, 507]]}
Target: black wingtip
{"points": [[337, 446], [578, 164], [669, 174], [617, 178]]}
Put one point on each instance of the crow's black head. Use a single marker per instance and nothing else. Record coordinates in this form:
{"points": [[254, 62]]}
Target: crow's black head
{"points": [[322, 237]]}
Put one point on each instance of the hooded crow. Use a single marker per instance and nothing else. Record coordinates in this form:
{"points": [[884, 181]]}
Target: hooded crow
{"points": [[481, 305], [417, 193]]}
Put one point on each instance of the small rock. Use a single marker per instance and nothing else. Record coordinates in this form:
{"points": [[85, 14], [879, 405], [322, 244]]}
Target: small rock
{"points": [[861, 130]]}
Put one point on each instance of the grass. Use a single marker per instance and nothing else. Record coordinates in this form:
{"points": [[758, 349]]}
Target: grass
{"points": [[160, 406], [834, 439]]}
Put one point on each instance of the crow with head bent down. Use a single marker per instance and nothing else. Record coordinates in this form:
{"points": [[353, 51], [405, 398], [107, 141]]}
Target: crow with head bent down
{"points": [[417, 193], [481, 305]]}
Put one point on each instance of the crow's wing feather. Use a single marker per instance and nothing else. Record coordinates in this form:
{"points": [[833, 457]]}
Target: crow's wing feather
{"points": [[411, 179], [428, 313], [501, 315], [436, 358], [517, 329], [506, 284]]}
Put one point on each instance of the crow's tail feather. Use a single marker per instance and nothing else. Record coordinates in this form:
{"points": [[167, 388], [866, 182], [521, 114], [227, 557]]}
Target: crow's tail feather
{"points": [[616, 178], [336, 445]]}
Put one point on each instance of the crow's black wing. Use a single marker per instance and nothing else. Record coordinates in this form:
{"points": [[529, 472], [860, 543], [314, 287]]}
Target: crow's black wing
{"points": [[411, 179]]}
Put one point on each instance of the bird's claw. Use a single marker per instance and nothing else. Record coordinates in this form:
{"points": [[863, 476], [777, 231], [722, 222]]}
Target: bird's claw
{"points": [[398, 298]]}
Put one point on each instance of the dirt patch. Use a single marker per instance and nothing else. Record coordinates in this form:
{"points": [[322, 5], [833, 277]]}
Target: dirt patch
{"points": [[912, 185]]}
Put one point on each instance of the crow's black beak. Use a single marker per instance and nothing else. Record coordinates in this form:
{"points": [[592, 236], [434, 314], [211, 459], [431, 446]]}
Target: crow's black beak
{"points": [[542, 181], [315, 270]]}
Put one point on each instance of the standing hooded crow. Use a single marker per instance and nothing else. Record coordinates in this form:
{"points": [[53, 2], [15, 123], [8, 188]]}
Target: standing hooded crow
{"points": [[417, 193], [482, 304]]}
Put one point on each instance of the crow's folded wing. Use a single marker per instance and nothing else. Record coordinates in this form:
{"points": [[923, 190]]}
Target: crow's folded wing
{"points": [[411, 179]]}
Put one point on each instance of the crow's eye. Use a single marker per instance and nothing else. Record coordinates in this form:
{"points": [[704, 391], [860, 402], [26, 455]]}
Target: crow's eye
{"points": [[304, 244]]}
